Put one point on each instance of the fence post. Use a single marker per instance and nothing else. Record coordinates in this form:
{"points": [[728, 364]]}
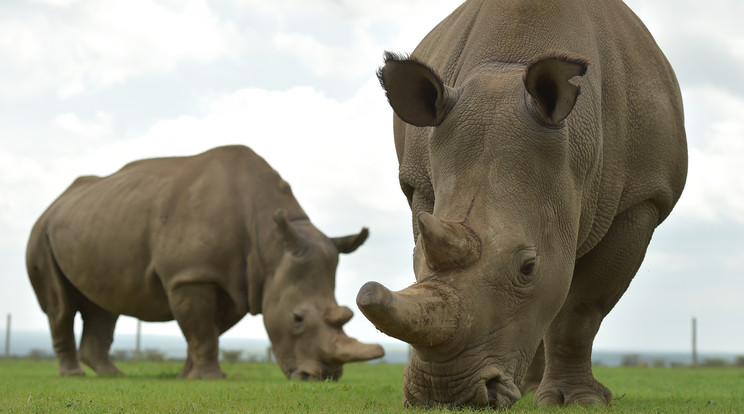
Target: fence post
{"points": [[137, 349], [7, 338], [694, 342]]}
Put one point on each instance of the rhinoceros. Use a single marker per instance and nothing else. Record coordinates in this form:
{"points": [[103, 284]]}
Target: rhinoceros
{"points": [[540, 144], [203, 240]]}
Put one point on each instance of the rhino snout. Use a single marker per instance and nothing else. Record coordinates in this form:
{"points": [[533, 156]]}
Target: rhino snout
{"points": [[490, 387]]}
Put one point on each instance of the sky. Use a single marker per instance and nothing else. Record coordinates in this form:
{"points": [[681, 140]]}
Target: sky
{"points": [[89, 85]]}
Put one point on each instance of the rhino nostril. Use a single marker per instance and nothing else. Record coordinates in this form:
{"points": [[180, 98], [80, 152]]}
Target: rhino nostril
{"points": [[304, 376], [492, 387]]}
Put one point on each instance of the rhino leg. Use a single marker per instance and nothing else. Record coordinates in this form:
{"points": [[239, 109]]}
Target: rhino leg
{"points": [[194, 306], [61, 322], [600, 278], [98, 333], [59, 300]]}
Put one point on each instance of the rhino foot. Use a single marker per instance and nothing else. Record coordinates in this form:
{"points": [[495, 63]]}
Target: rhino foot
{"points": [[202, 372], [551, 393], [109, 371], [71, 372], [100, 363]]}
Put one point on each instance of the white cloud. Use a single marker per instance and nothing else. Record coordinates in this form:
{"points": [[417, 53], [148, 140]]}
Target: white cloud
{"points": [[56, 3], [70, 123], [94, 43], [715, 181], [346, 38], [327, 60], [717, 20]]}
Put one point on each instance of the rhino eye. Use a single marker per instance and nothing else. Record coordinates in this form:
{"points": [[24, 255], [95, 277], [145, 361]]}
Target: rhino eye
{"points": [[298, 318], [527, 267]]}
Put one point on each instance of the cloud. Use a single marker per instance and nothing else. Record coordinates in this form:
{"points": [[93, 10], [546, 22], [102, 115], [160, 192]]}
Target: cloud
{"points": [[325, 60], [70, 123], [346, 38], [715, 182], [341, 166], [73, 47], [702, 40]]}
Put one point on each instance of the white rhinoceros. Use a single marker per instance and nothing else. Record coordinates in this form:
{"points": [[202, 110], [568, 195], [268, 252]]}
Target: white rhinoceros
{"points": [[540, 144], [203, 240]]}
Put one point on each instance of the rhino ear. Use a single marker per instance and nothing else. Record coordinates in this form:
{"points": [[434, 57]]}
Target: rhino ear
{"points": [[292, 241], [547, 81], [418, 96], [348, 244]]}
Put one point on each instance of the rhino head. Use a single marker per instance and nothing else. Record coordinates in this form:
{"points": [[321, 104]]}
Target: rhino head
{"points": [[302, 318], [494, 256]]}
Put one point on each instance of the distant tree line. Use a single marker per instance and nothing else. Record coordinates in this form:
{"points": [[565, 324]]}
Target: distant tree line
{"points": [[234, 355], [634, 360], [155, 355]]}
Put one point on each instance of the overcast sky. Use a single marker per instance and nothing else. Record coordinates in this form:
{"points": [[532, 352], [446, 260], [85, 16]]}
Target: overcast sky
{"points": [[87, 86]]}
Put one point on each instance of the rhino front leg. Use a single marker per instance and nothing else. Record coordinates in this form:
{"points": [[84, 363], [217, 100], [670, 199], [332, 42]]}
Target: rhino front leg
{"points": [[600, 279], [98, 333], [194, 306]]}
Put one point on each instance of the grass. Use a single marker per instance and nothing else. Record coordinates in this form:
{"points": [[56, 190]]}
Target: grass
{"points": [[32, 386]]}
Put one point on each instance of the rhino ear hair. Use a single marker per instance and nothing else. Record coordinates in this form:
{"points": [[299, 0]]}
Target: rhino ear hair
{"points": [[292, 240], [416, 93], [547, 81], [348, 244]]}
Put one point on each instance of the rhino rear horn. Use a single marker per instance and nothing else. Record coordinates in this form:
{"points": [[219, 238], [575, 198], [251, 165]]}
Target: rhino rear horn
{"points": [[547, 81], [424, 314], [337, 316], [446, 244], [416, 93]]}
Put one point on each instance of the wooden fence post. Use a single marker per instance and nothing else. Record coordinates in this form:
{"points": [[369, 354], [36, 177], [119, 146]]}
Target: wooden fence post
{"points": [[7, 338], [137, 349], [694, 343]]}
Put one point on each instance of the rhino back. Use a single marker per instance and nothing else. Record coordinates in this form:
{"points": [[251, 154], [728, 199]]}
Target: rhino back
{"points": [[627, 128], [125, 239]]}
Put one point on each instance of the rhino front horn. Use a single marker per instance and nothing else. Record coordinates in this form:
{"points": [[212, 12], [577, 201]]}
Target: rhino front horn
{"points": [[446, 244], [423, 314]]}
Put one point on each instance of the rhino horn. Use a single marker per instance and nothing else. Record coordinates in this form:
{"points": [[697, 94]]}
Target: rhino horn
{"points": [[446, 244], [350, 350], [425, 313], [337, 316]]}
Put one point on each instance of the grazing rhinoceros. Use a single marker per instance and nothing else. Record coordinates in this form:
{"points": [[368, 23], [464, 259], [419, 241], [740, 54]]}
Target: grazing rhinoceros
{"points": [[202, 240], [540, 144]]}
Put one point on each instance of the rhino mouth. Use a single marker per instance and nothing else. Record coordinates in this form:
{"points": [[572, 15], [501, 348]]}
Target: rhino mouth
{"points": [[305, 374], [490, 388]]}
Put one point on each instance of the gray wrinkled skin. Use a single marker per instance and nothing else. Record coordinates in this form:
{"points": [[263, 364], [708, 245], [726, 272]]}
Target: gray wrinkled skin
{"points": [[203, 240], [540, 144]]}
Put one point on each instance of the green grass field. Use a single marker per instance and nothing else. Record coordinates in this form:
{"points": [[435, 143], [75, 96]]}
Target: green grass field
{"points": [[151, 387]]}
